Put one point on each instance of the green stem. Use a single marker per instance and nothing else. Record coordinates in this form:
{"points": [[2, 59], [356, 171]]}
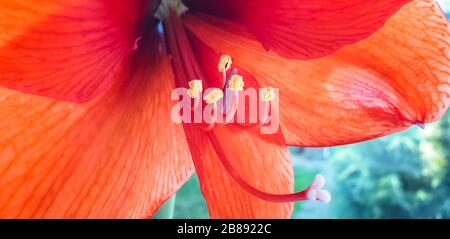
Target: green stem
{"points": [[167, 209]]}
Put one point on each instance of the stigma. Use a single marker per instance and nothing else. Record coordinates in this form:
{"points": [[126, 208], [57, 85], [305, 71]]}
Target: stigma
{"points": [[315, 190]]}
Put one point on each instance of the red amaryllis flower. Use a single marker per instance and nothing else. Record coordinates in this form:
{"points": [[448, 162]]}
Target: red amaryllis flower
{"points": [[85, 112]]}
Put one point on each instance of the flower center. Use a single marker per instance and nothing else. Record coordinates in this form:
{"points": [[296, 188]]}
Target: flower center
{"points": [[188, 75]]}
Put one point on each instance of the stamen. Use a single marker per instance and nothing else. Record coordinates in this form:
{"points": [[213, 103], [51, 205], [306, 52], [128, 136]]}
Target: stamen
{"points": [[231, 108], [313, 192], [264, 114], [236, 83], [210, 126], [224, 89], [223, 66], [183, 61], [224, 63], [213, 96], [226, 79], [136, 43], [195, 88], [267, 94]]}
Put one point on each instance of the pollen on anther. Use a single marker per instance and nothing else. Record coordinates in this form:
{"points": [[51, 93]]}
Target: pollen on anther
{"points": [[267, 94], [224, 63], [213, 96], [195, 88], [236, 83]]}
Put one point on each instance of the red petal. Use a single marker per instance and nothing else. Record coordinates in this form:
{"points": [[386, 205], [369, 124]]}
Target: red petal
{"points": [[397, 77], [118, 156], [307, 28], [262, 161], [68, 51]]}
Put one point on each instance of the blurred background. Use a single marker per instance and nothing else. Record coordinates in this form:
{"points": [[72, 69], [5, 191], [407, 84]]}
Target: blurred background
{"points": [[406, 175]]}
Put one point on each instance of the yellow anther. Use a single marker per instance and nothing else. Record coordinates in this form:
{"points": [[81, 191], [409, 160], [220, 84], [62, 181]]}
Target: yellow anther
{"points": [[213, 96], [267, 94], [236, 83], [195, 88], [224, 63]]}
